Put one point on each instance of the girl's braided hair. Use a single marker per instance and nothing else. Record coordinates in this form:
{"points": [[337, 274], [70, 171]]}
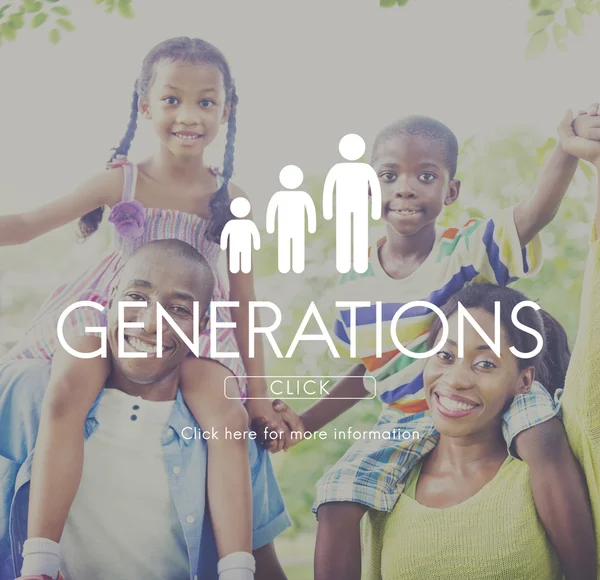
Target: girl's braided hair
{"points": [[192, 50]]}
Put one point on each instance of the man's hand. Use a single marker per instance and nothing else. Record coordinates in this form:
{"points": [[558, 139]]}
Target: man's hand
{"points": [[293, 421], [586, 149], [587, 123], [263, 417]]}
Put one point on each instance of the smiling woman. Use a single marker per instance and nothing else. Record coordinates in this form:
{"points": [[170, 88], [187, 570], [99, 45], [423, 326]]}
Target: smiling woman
{"points": [[442, 521]]}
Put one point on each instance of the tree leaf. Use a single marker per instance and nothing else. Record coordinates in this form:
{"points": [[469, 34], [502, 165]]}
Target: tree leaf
{"points": [[538, 23], [17, 21], [32, 6], [554, 5], [537, 44], [584, 6], [534, 5], [597, 7], [402, 2], [387, 3], [8, 31], [4, 9], [54, 36], [65, 24], [39, 19], [560, 32], [574, 20], [62, 10], [124, 7]]}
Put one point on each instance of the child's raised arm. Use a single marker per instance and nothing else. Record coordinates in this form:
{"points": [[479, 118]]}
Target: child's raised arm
{"points": [[536, 213], [102, 189], [585, 147]]}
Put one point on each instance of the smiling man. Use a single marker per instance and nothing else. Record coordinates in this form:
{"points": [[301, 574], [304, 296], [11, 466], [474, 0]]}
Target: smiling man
{"points": [[140, 510]]}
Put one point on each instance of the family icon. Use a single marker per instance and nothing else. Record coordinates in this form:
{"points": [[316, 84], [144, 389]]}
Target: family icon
{"points": [[291, 212]]}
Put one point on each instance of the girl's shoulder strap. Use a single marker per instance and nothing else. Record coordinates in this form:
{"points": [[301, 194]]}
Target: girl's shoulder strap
{"points": [[130, 174]]}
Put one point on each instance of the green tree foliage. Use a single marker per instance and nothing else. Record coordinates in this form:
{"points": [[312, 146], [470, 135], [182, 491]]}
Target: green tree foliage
{"points": [[51, 14], [550, 19], [556, 19]]}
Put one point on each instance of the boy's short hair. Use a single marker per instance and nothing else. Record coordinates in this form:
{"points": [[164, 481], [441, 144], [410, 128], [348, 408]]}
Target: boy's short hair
{"points": [[424, 127]]}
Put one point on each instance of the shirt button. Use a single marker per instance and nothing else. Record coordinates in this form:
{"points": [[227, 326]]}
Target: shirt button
{"points": [[190, 519], [176, 470], [135, 407], [133, 417]]}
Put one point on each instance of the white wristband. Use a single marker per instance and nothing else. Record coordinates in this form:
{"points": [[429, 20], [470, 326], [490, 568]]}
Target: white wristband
{"points": [[237, 566]]}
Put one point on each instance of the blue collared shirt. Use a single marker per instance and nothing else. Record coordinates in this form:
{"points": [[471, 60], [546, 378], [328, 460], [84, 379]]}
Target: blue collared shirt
{"points": [[22, 388]]}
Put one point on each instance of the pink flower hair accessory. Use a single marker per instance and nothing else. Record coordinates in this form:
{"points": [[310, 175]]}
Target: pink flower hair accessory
{"points": [[129, 219]]}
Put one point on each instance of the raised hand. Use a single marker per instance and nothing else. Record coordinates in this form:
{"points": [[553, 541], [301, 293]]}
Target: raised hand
{"points": [[587, 123], [293, 421], [572, 143], [269, 424]]}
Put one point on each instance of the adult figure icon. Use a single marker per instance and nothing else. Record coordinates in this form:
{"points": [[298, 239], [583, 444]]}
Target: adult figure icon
{"points": [[354, 184], [240, 236], [289, 208]]}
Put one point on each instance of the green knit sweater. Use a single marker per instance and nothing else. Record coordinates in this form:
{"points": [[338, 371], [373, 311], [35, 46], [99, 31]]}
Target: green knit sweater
{"points": [[495, 534]]}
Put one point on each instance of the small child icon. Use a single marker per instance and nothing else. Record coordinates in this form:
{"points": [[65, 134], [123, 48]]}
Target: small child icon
{"points": [[291, 206], [240, 235]]}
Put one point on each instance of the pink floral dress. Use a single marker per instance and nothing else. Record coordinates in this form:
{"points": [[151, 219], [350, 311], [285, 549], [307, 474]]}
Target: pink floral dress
{"points": [[135, 225]]}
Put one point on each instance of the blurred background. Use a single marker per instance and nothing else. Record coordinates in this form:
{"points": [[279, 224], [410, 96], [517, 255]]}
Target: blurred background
{"points": [[500, 74]]}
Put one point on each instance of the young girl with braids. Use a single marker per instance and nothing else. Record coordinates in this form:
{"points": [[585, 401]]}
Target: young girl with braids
{"points": [[185, 88]]}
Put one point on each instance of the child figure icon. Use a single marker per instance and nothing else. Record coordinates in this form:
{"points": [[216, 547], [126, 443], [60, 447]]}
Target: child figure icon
{"points": [[290, 206], [240, 236]]}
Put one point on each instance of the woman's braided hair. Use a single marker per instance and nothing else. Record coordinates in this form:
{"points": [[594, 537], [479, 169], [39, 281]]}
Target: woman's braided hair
{"points": [[192, 50]]}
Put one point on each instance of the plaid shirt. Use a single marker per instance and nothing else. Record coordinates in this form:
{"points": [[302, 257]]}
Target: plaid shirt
{"points": [[374, 470]]}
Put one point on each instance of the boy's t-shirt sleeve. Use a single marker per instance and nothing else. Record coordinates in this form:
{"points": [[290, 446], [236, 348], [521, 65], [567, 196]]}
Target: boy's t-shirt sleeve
{"points": [[493, 249]]}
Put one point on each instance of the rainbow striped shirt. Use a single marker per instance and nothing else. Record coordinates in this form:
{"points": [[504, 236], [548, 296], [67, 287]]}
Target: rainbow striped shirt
{"points": [[479, 251]]}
